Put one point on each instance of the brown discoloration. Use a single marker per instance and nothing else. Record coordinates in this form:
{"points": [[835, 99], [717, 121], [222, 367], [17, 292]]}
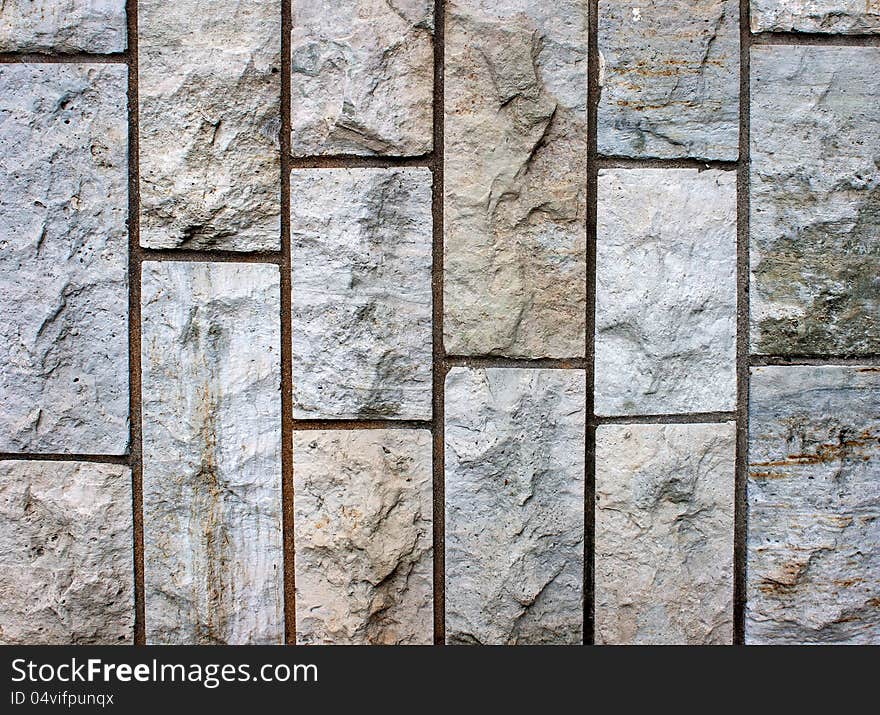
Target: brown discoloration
{"points": [[825, 453], [213, 583]]}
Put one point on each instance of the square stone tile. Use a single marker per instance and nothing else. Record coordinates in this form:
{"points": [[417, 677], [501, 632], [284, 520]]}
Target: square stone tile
{"points": [[362, 77], [670, 78], [67, 573]]}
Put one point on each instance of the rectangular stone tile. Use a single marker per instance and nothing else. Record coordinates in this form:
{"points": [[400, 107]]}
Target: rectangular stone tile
{"points": [[362, 77], [664, 534], [670, 78], [515, 178], [212, 453], [63, 259], [844, 17], [813, 572], [209, 92], [514, 506], [815, 200], [665, 291], [67, 573], [63, 26], [363, 532], [361, 244]]}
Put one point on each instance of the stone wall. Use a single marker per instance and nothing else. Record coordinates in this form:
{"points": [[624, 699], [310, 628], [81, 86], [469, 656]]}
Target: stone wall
{"points": [[476, 321]]}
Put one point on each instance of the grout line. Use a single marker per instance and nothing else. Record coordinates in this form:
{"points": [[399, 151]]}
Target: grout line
{"points": [[64, 57], [211, 256], [350, 161], [479, 362], [593, 164], [740, 508], [623, 162], [439, 359], [301, 425], [57, 457], [810, 38], [134, 329], [764, 360], [287, 421], [666, 419]]}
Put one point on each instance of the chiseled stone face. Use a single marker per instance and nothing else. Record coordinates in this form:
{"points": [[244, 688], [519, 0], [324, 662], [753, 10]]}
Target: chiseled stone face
{"points": [[664, 534], [670, 78], [66, 577], [515, 177], [846, 17], [815, 200], [514, 506], [363, 521], [209, 94], [361, 245], [63, 259], [813, 572], [212, 453], [362, 77], [62, 26], [665, 291]]}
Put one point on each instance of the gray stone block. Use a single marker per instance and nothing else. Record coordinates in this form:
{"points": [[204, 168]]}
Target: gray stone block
{"points": [[63, 259], [364, 540], [514, 506]]}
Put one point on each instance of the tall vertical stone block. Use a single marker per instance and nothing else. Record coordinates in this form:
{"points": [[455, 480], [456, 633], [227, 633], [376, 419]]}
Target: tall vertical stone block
{"points": [[815, 200], [664, 534], [669, 78], [515, 178], [665, 291], [362, 77], [67, 573], [212, 453], [514, 506], [363, 520], [361, 245], [813, 571], [63, 259], [209, 93], [62, 26]]}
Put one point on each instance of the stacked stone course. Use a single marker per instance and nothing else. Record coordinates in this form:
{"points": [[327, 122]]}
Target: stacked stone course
{"points": [[466, 322]]}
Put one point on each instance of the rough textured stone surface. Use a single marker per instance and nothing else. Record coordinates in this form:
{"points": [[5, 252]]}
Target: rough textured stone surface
{"points": [[212, 453], [66, 576], [363, 516], [814, 505], [514, 506], [361, 243], [362, 77], [209, 96], [847, 17], [62, 26], [815, 200], [515, 177], [670, 78], [664, 534], [666, 291], [63, 259]]}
